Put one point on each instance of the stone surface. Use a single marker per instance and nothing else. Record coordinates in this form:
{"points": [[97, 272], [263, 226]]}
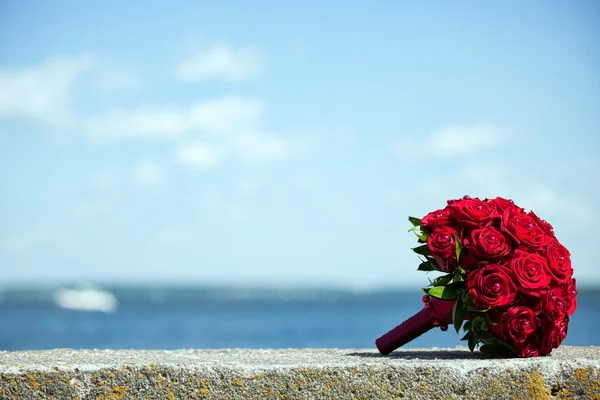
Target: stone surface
{"points": [[570, 372]]}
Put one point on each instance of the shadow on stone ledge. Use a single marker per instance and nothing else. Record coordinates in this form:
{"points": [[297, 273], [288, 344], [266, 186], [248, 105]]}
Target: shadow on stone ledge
{"points": [[423, 355]]}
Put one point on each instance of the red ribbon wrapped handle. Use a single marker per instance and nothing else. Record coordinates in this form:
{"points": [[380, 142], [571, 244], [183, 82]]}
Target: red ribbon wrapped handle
{"points": [[415, 326]]}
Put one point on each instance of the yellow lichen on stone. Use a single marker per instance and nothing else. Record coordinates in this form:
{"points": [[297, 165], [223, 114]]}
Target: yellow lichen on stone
{"points": [[118, 393], [34, 384], [591, 379], [536, 386]]}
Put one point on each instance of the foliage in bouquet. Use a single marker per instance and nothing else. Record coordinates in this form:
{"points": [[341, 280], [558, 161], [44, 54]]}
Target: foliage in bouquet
{"points": [[509, 275]]}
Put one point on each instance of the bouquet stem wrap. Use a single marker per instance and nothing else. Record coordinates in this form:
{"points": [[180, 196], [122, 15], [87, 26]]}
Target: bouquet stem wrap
{"points": [[437, 313]]}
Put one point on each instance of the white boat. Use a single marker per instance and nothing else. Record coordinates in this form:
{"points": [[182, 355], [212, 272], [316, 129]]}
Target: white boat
{"points": [[86, 299]]}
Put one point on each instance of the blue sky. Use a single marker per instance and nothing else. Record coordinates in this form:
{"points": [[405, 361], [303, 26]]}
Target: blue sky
{"points": [[272, 144]]}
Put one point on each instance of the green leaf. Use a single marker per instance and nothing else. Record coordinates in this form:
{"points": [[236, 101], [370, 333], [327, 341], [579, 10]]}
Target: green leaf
{"points": [[487, 350], [415, 221], [457, 278], [459, 248], [421, 237], [426, 266], [467, 335], [471, 306], [467, 326], [443, 292], [472, 341], [422, 250], [498, 348], [490, 340], [414, 228], [484, 326], [442, 280], [458, 313], [476, 324], [457, 285]]}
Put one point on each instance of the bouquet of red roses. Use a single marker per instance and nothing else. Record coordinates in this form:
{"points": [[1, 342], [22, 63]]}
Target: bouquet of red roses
{"points": [[507, 281]]}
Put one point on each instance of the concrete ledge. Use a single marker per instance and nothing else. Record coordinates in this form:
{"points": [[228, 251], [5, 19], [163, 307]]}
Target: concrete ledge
{"points": [[571, 372]]}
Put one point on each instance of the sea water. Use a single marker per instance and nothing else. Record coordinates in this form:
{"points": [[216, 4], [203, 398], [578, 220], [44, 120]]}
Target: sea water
{"points": [[210, 318]]}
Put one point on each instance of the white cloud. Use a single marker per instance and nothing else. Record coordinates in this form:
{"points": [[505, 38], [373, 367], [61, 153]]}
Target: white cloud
{"points": [[461, 140], [39, 236], [111, 78], [44, 92], [141, 124], [148, 173], [221, 61], [225, 115], [454, 141], [258, 147], [217, 116], [200, 155]]}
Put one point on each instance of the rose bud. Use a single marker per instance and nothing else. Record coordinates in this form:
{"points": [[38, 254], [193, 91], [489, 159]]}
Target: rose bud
{"points": [[521, 227], [491, 285], [531, 270], [442, 246], [559, 261]]}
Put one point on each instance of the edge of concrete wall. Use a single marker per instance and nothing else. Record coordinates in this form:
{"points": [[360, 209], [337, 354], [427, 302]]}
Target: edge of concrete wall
{"points": [[570, 372]]}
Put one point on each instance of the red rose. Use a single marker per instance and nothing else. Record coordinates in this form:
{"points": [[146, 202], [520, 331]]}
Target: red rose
{"points": [[554, 303], [531, 271], [474, 213], [553, 333], [442, 246], [522, 227], [492, 285], [516, 324], [530, 301], [559, 261], [571, 293], [467, 197], [485, 244], [527, 350], [546, 227], [444, 217], [502, 204]]}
